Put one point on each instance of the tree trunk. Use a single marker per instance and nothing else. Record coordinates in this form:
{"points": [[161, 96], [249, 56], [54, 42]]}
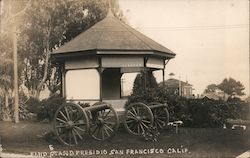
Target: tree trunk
{"points": [[37, 93], [41, 84], [47, 57], [6, 100], [6, 111]]}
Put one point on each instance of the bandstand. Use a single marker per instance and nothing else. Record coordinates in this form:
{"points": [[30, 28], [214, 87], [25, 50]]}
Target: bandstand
{"points": [[92, 65]]}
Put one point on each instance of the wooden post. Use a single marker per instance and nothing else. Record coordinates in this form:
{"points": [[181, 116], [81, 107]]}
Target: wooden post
{"points": [[63, 82], [163, 73], [163, 77], [145, 73], [100, 70], [16, 96]]}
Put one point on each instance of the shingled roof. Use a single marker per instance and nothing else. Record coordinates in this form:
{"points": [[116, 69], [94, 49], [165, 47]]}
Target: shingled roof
{"points": [[112, 34]]}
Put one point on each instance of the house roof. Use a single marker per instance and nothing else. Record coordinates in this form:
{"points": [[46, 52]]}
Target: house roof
{"points": [[111, 34], [211, 96], [172, 82]]}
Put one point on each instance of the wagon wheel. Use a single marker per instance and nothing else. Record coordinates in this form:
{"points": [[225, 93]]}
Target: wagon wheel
{"points": [[70, 124], [104, 123], [161, 115], [138, 117]]}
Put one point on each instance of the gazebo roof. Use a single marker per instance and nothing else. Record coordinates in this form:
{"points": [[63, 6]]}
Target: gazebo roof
{"points": [[110, 34]]}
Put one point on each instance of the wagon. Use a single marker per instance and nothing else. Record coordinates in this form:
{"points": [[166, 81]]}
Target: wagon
{"points": [[92, 66]]}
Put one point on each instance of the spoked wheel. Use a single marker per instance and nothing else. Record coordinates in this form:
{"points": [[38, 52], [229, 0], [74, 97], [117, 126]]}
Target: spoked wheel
{"points": [[138, 118], [104, 122], [161, 115], [70, 124]]}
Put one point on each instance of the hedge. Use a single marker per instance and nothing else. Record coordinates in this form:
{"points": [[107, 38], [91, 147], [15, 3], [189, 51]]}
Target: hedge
{"points": [[194, 112]]}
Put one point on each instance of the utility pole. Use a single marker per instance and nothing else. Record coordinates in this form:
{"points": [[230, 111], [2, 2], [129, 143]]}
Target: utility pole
{"points": [[16, 96], [13, 20]]}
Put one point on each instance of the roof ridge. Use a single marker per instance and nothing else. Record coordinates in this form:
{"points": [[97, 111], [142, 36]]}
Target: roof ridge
{"points": [[126, 26]]}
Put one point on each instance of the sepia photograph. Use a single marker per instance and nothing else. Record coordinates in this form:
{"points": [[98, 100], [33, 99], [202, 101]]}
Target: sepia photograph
{"points": [[124, 78]]}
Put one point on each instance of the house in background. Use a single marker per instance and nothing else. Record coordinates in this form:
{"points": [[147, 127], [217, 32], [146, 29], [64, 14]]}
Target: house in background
{"points": [[182, 88], [216, 95]]}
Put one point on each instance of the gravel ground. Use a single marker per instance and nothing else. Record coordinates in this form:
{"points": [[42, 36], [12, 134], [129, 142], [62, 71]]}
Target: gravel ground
{"points": [[31, 138]]}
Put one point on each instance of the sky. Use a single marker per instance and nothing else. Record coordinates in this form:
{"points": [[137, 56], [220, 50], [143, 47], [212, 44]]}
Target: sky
{"points": [[210, 37]]}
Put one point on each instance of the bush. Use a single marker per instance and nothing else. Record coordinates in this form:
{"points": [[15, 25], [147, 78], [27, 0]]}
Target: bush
{"points": [[33, 105], [48, 108], [193, 112], [204, 113], [176, 105]]}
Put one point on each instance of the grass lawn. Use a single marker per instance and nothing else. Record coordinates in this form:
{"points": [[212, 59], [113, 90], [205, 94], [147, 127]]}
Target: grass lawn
{"points": [[27, 137]]}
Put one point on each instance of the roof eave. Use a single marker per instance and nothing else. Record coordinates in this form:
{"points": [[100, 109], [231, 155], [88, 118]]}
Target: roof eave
{"points": [[73, 54], [165, 55]]}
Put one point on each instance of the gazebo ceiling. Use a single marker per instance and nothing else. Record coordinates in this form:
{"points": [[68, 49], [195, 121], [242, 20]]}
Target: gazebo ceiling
{"points": [[110, 34]]}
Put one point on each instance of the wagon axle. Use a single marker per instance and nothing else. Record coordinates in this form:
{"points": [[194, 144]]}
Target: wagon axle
{"points": [[138, 119], [100, 122], [70, 125]]}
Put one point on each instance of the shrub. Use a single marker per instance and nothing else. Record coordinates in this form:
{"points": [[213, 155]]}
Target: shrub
{"points": [[33, 105], [176, 105], [48, 108], [204, 113], [193, 112], [140, 82]]}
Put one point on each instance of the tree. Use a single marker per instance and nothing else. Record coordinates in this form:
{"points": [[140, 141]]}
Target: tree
{"points": [[139, 82], [231, 86], [6, 72], [48, 24], [9, 19], [211, 88]]}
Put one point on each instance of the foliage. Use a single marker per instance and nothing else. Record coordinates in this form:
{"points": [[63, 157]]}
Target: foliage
{"points": [[46, 108], [54, 80], [211, 88], [10, 18], [151, 134], [231, 86], [42, 26], [140, 85], [48, 24], [6, 71], [33, 105], [193, 112], [6, 62]]}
